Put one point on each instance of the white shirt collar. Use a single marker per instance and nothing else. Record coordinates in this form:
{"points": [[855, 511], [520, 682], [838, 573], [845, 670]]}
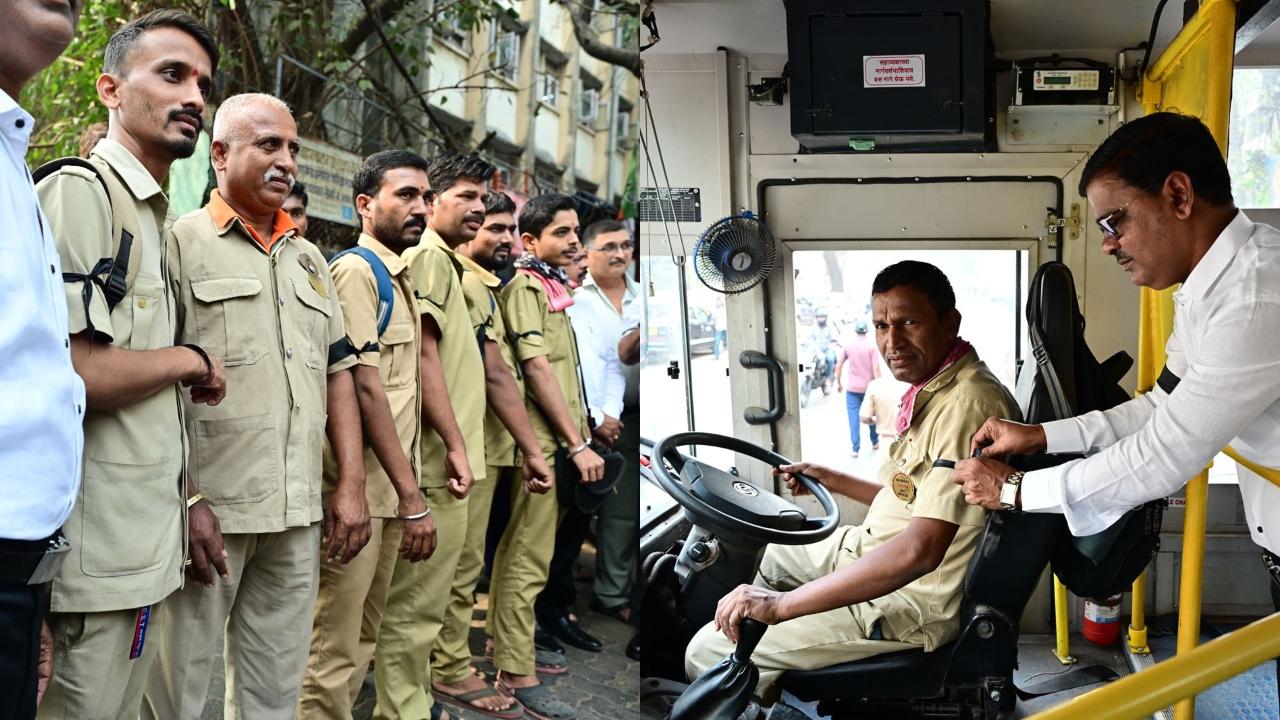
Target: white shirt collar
{"points": [[1215, 261], [16, 124]]}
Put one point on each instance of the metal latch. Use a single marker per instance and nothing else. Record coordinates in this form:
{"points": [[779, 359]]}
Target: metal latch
{"points": [[673, 370], [1071, 223]]}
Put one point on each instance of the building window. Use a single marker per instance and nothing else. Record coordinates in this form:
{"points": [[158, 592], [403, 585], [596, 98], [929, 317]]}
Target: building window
{"points": [[549, 82], [455, 34], [504, 52], [590, 106], [623, 129]]}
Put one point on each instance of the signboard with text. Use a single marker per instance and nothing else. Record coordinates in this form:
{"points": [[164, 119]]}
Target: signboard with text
{"points": [[892, 71], [327, 172]]}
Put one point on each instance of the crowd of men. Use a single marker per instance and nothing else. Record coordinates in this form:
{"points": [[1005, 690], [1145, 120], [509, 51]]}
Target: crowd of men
{"points": [[217, 438]]}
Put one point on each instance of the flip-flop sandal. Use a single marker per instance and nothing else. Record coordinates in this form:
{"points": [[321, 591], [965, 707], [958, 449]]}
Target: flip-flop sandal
{"points": [[545, 662], [437, 712], [466, 700], [540, 703]]}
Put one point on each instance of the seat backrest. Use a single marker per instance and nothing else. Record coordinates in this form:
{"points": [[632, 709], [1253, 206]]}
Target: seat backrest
{"points": [[1006, 567]]}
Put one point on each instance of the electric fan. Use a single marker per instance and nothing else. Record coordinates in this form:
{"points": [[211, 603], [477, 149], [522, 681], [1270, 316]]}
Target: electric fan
{"points": [[735, 254]]}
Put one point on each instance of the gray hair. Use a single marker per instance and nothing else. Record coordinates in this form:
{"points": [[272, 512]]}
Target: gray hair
{"points": [[226, 123]]}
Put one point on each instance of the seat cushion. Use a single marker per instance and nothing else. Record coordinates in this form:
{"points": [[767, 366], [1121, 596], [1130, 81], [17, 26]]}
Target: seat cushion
{"points": [[903, 674]]}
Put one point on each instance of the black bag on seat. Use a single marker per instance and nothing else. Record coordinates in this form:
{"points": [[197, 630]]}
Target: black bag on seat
{"points": [[1067, 380]]}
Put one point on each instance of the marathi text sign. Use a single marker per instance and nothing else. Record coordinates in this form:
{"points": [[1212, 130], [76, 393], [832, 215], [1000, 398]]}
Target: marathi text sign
{"points": [[892, 71], [327, 172]]}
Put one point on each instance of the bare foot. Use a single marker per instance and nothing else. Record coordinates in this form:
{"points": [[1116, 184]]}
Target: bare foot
{"points": [[512, 680], [472, 683]]}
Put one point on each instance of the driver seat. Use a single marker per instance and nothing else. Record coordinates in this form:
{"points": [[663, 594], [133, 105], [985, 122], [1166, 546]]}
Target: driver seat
{"points": [[973, 672]]}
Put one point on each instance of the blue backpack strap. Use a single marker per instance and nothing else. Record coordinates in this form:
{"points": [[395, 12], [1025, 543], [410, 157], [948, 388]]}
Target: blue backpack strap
{"points": [[382, 276]]}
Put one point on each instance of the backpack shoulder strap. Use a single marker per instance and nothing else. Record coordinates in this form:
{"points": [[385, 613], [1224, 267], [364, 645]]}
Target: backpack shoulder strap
{"points": [[122, 267], [382, 279]]}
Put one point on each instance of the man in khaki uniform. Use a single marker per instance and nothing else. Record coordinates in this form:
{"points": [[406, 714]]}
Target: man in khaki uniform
{"points": [[513, 458], [533, 305], [452, 439], [253, 292], [126, 528], [390, 192], [895, 582]]}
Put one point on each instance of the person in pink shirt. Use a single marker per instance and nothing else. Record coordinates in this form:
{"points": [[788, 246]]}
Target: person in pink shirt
{"points": [[858, 365]]}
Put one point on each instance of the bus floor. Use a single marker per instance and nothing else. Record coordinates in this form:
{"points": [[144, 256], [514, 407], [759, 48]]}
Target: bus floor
{"points": [[600, 686], [1250, 696]]}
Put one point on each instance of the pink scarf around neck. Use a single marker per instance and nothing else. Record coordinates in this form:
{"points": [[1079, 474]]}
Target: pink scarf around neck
{"points": [[958, 350], [558, 296]]}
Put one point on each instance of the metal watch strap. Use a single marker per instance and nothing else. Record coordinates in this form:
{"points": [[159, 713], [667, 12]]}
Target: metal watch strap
{"points": [[1015, 481]]}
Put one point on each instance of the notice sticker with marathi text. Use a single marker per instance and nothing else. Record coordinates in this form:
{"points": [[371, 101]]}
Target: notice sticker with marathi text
{"points": [[892, 71]]}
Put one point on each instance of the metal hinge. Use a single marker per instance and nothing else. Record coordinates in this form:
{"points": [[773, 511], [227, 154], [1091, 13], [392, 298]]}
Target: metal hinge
{"points": [[1072, 223]]}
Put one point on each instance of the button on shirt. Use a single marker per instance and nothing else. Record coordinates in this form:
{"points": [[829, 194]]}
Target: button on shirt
{"points": [[276, 322], [1225, 347], [41, 438], [598, 326]]}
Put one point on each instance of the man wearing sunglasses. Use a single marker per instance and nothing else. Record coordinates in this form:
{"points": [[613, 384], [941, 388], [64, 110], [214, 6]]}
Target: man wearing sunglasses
{"points": [[1162, 195]]}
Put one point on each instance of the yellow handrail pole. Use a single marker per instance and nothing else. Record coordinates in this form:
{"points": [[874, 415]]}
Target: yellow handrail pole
{"points": [[1192, 578], [1138, 617], [1144, 693], [1265, 473], [1063, 649]]}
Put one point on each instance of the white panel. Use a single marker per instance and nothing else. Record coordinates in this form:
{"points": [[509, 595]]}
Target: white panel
{"points": [[585, 157], [500, 112], [547, 132], [448, 68]]}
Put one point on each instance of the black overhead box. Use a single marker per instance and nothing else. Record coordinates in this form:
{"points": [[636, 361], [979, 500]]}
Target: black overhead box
{"points": [[897, 75]]}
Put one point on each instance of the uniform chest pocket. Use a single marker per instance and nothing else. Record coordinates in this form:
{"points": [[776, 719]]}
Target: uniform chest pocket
{"points": [[226, 322], [902, 475], [311, 324], [397, 360], [146, 305], [556, 336]]}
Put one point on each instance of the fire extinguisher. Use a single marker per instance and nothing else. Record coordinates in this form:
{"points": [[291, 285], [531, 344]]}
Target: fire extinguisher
{"points": [[1102, 620]]}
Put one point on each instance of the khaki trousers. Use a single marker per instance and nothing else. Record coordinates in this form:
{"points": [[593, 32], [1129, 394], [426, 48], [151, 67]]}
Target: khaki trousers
{"points": [[451, 659], [809, 642], [93, 676], [416, 605], [519, 574], [349, 610], [264, 609]]}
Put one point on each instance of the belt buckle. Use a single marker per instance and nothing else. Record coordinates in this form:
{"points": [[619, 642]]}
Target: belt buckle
{"points": [[48, 566]]}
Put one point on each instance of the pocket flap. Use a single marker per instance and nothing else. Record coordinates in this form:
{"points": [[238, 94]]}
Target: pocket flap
{"points": [[219, 289], [396, 333], [311, 298]]}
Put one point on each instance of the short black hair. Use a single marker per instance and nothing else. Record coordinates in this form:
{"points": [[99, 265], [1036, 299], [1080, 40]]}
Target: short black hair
{"points": [[922, 276], [301, 191], [118, 47], [538, 213], [1144, 151], [600, 227], [497, 202], [369, 177], [449, 168]]}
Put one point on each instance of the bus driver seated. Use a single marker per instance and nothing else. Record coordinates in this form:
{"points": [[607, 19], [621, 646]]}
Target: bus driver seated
{"points": [[894, 582]]}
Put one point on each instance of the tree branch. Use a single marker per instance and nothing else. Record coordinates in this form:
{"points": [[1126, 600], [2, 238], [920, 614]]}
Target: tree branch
{"points": [[591, 45]]}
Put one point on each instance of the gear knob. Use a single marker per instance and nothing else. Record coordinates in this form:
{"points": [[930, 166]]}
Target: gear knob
{"points": [[751, 632]]}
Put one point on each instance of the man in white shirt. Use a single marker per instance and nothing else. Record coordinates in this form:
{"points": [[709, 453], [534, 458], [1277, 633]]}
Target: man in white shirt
{"points": [[40, 431], [1161, 194]]}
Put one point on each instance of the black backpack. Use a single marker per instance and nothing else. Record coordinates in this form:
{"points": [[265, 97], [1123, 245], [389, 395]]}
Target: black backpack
{"points": [[1067, 380]]}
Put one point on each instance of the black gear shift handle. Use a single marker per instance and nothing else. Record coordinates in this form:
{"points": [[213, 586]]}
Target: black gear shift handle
{"points": [[749, 636]]}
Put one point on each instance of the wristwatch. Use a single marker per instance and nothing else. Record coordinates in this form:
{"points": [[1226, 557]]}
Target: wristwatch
{"points": [[1009, 491]]}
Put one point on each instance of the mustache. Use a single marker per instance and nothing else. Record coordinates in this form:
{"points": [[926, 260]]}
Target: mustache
{"points": [[175, 114], [274, 174], [416, 222], [1122, 258]]}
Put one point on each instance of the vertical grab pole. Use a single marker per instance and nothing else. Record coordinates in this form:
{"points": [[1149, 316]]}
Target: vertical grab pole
{"points": [[1138, 617], [1192, 578], [1063, 649]]}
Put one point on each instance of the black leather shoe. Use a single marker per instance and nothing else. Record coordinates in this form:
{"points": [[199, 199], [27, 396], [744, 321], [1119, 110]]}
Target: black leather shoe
{"points": [[568, 631], [633, 647], [543, 639]]}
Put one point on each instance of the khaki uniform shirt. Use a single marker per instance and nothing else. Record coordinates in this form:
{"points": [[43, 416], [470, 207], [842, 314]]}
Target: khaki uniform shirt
{"points": [[480, 287], [276, 322], [394, 353], [437, 286], [880, 405], [128, 526], [538, 332], [948, 410]]}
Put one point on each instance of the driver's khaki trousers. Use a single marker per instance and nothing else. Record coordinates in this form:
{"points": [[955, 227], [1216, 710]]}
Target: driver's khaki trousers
{"points": [[805, 643]]}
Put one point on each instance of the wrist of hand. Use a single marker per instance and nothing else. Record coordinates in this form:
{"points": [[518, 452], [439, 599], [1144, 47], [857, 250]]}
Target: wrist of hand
{"points": [[205, 368]]}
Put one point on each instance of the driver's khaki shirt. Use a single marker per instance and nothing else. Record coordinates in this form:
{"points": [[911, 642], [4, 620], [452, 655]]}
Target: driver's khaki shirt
{"points": [[948, 411]]}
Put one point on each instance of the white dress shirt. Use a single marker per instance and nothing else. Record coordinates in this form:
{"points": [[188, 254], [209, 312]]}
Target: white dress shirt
{"points": [[598, 326], [1225, 347], [41, 397]]}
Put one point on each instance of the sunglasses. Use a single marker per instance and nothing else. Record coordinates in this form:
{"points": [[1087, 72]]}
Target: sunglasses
{"points": [[1109, 224]]}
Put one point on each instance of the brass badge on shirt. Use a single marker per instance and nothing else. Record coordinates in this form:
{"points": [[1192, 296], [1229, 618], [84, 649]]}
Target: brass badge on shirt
{"points": [[308, 263], [903, 487]]}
